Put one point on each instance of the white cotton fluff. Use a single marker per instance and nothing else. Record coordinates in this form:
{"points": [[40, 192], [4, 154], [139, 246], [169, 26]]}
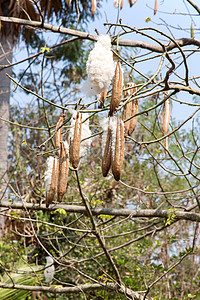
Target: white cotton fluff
{"points": [[48, 173], [113, 127], [85, 132], [66, 145], [116, 3], [49, 269], [100, 67]]}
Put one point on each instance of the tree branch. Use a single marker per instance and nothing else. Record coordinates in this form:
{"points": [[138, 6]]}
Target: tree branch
{"points": [[121, 42], [75, 289], [194, 6], [145, 213]]}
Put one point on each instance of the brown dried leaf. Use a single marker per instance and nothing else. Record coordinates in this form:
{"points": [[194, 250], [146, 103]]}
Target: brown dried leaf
{"points": [[106, 160], [117, 89], [22, 9], [49, 7], [63, 172]]}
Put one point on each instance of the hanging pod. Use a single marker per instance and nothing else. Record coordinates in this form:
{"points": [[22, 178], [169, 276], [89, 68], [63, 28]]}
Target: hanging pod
{"points": [[50, 179], [127, 112], [155, 7], [101, 98], [117, 89], [131, 2], [165, 118], [63, 170], [130, 109], [94, 6], [75, 140], [133, 121], [58, 135], [117, 148], [106, 148]]}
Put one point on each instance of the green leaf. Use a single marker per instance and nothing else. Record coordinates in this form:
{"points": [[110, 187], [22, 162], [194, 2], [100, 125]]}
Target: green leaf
{"points": [[61, 211]]}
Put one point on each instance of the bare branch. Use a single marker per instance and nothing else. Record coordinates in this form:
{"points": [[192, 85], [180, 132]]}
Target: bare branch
{"points": [[194, 5], [121, 42], [145, 213], [76, 289]]}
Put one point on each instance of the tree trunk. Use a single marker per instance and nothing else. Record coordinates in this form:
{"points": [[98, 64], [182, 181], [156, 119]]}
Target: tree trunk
{"points": [[6, 47]]}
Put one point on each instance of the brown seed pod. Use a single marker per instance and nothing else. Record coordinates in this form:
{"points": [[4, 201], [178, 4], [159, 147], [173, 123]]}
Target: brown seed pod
{"points": [[52, 189], [131, 2], [126, 115], [155, 7], [133, 121], [128, 107], [74, 146], [68, 2], [106, 160], [58, 135], [165, 118], [63, 171], [118, 151], [117, 89], [122, 4], [102, 98], [94, 6], [122, 144]]}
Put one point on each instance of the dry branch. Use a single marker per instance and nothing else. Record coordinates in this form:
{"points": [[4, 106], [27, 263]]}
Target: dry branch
{"points": [[76, 289], [138, 213], [121, 42]]}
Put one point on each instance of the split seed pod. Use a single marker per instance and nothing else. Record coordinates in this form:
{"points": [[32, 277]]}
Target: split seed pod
{"points": [[117, 148], [58, 135], [133, 121], [63, 170], [106, 147], [94, 6], [127, 112], [165, 118], [130, 109], [51, 179], [75, 140], [117, 89], [102, 98]]}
